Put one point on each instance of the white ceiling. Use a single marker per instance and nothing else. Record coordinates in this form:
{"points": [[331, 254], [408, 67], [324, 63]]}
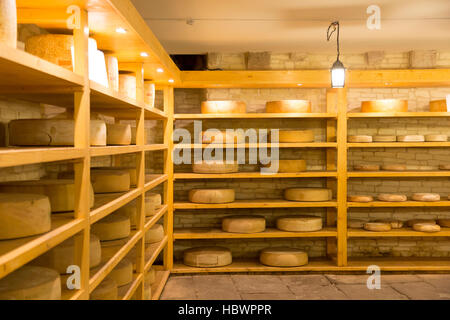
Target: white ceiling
{"points": [[295, 25]]}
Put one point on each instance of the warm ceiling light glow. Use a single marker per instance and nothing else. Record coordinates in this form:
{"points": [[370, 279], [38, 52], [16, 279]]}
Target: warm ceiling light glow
{"points": [[121, 30], [338, 69], [160, 70], [144, 54], [171, 80], [299, 84]]}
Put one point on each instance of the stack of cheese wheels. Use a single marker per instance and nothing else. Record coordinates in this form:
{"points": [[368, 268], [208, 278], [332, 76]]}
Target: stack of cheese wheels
{"points": [[355, 223], [366, 167], [118, 134], [207, 257], [427, 197], [127, 85], [244, 224], [439, 106], [360, 138], [149, 94], [59, 191], [384, 138], [106, 290], [412, 222], [359, 198], [444, 222], [222, 136], [444, 166], [392, 197], [223, 107], [23, 215], [436, 138], [426, 227], [299, 223], [8, 23], [393, 167], [52, 132], [63, 255], [122, 274], [112, 227], [133, 135], [307, 194], [155, 233], [31, 283], [131, 171], [411, 138], [295, 136], [211, 195], [395, 224], [287, 166], [152, 204], [283, 257], [112, 180], [112, 67], [288, 106], [377, 226], [384, 105], [211, 166]]}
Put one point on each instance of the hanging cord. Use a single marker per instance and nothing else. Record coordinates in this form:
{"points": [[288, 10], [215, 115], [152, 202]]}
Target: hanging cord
{"points": [[334, 25]]}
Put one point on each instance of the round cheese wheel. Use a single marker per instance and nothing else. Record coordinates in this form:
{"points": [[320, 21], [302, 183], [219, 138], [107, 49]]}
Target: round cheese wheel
{"points": [[152, 204], [131, 170], [244, 224], [55, 48], [283, 257], [110, 180], [366, 167], [295, 136], [384, 105], [444, 166], [288, 106], [112, 68], [307, 194], [106, 290], [110, 248], [8, 23], [392, 197], [384, 138], [223, 107], [377, 226], [355, 223], [52, 132], [393, 167], [211, 195], [410, 223], [59, 191], [118, 134], [426, 227], [222, 136], [211, 166], [133, 135], [287, 166], [438, 106], [149, 94], [122, 274], [127, 85], [298, 223], [360, 138], [359, 198], [436, 138], [207, 257], [411, 138], [395, 224], [155, 233], [444, 222], [63, 255], [426, 197], [23, 215], [112, 227], [31, 283], [419, 168]]}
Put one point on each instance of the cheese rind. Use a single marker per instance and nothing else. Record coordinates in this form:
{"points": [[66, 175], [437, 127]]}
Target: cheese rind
{"points": [[127, 85], [149, 94], [444, 223], [109, 181], [211, 195], [288, 106], [112, 68], [287, 166], [395, 224], [283, 257], [393, 167], [298, 223], [295, 136], [355, 223], [112, 227], [384, 105], [377, 226], [426, 227], [438, 106], [436, 138], [122, 274], [411, 222], [210, 166], [411, 138], [154, 234], [428, 197], [360, 138], [307, 194], [392, 197], [244, 224], [106, 290], [384, 138], [131, 170], [223, 107], [366, 167], [207, 257], [55, 48], [118, 134], [359, 198]]}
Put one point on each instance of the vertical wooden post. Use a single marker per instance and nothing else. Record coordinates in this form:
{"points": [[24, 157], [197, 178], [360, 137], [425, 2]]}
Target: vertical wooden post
{"points": [[81, 137]]}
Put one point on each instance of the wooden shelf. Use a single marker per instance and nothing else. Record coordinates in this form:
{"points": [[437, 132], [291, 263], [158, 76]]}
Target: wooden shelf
{"points": [[259, 145], [399, 145], [111, 202], [155, 147], [398, 114], [199, 116], [399, 264], [113, 150], [380, 204], [18, 156], [126, 292], [215, 233], [150, 221], [153, 180], [152, 252], [67, 294], [258, 203], [158, 286], [387, 174], [404, 232], [255, 175]]}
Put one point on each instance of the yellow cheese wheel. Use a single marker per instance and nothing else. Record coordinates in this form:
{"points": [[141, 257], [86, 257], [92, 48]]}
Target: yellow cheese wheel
{"points": [[288, 106], [384, 138], [297, 223], [411, 138], [428, 197], [392, 197], [52, 132], [112, 68], [426, 227], [55, 48], [307, 194], [444, 223], [355, 223], [31, 283], [359, 198], [438, 106], [360, 138], [393, 167], [283, 257], [377, 226], [211, 195], [133, 135], [63, 255], [222, 136], [112, 227], [59, 191], [223, 107], [131, 170], [295, 136], [211, 166], [410, 223], [384, 105], [244, 224], [8, 23], [118, 134], [154, 234], [395, 224], [149, 94], [366, 167], [444, 166], [419, 168], [23, 215], [287, 166], [436, 138], [112, 180], [152, 204], [122, 274], [207, 257], [127, 85], [106, 290]]}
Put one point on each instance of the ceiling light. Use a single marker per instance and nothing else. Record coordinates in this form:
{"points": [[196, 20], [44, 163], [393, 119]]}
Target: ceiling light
{"points": [[121, 30], [338, 69], [160, 70], [171, 80], [299, 84], [144, 54]]}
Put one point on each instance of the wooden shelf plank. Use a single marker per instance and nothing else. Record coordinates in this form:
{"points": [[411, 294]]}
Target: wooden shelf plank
{"points": [[260, 145], [109, 99], [150, 221], [253, 175], [376, 174], [404, 232], [158, 286], [155, 147], [258, 203], [399, 264], [17, 156], [110, 203], [399, 145], [126, 292], [398, 114], [152, 252], [195, 116], [153, 180], [67, 294], [378, 204], [113, 150], [215, 233]]}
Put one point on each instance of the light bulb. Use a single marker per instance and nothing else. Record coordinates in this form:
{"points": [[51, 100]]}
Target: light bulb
{"points": [[337, 75], [160, 70], [121, 30], [144, 54]]}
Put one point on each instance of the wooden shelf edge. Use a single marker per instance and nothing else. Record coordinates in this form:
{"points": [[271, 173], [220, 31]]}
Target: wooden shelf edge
{"points": [[399, 145], [256, 204], [255, 175], [155, 147], [155, 254], [106, 209], [258, 145], [18, 156], [404, 232], [160, 282], [398, 114], [159, 178], [376, 174], [132, 287], [153, 219], [381, 204], [113, 150], [193, 116]]}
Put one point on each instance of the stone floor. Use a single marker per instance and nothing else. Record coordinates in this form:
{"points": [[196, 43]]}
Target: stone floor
{"points": [[306, 287]]}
